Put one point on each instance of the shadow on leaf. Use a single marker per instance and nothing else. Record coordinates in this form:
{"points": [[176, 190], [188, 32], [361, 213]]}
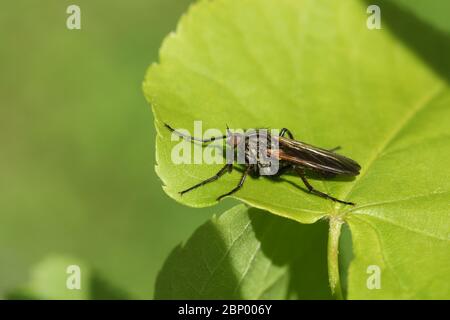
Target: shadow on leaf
{"points": [[424, 39], [247, 253]]}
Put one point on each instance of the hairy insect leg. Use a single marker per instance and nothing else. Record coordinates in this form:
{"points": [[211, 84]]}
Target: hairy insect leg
{"points": [[190, 138], [284, 131], [311, 189], [240, 184], [227, 167]]}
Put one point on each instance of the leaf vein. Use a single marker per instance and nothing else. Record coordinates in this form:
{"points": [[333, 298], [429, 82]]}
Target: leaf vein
{"points": [[423, 103]]}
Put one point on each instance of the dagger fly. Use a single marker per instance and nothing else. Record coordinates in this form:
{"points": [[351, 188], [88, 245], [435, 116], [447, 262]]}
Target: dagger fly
{"points": [[257, 154]]}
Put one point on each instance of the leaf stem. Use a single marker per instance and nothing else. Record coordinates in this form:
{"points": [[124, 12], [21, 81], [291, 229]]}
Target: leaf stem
{"points": [[333, 257]]}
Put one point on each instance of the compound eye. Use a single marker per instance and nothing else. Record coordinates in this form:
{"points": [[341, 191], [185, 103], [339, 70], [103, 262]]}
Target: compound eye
{"points": [[237, 139], [234, 140]]}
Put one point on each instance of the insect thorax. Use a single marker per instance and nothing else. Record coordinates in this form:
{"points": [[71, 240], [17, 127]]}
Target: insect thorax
{"points": [[257, 153]]}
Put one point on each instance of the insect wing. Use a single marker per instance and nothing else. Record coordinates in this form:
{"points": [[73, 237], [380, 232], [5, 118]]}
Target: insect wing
{"points": [[316, 158]]}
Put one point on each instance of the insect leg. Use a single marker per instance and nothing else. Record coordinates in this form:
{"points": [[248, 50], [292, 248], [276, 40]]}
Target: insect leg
{"points": [[317, 192], [335, 149], [240, 184], [190, 138], [289, 133], [284, 131], [228, 167]]}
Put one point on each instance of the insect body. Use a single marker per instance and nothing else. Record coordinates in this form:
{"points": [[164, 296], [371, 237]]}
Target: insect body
{"points": [[292, 155]]}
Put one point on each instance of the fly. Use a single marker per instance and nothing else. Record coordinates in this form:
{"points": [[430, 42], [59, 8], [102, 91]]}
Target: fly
{"points": [[292, 155]]}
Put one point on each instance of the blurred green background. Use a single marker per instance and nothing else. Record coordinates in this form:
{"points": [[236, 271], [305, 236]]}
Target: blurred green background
{"points": [[77, 142]]}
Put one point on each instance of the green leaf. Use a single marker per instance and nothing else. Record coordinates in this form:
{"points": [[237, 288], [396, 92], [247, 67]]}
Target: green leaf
{"points": [[49, 280], [247, 254], [316, 69], [434, 12]]}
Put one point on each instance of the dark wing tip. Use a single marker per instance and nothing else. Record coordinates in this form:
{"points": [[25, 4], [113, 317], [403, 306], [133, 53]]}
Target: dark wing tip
{"points": [[352, 167]]}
